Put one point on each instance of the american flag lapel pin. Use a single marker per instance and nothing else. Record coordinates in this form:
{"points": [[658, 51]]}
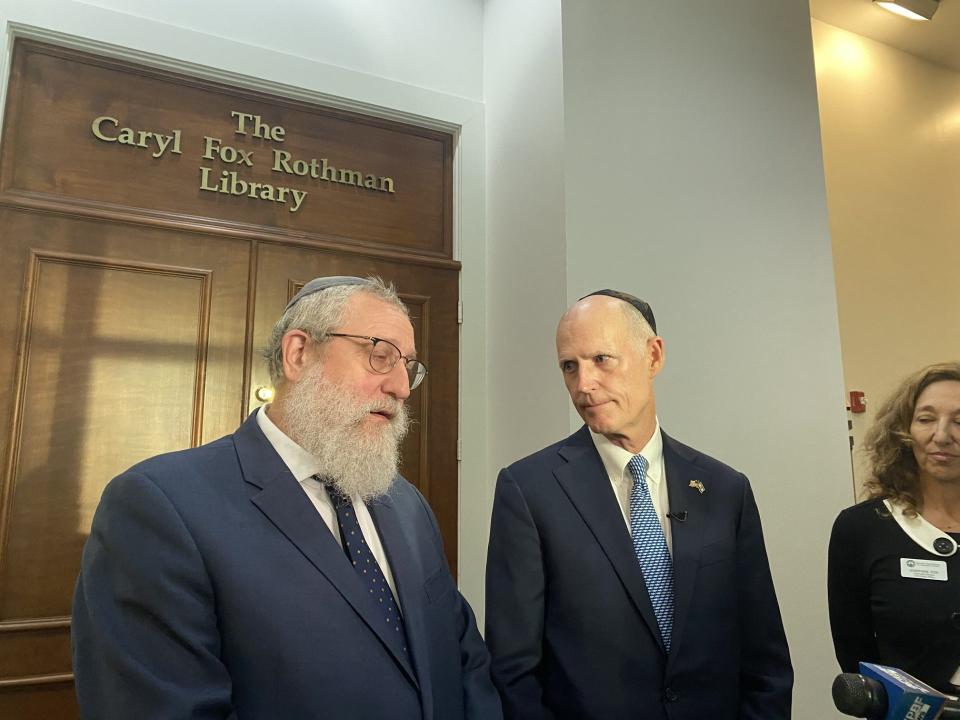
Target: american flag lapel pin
{"points": [[698, 486]]}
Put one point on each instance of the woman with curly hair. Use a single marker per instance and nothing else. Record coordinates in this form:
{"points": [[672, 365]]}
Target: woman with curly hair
{"points": [[894, 570]]}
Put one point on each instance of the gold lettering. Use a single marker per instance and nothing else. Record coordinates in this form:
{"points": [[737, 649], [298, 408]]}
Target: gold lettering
{"points": [[98, 133], [163, 141], [209, 145], [237, 185], [328, 172], [280, 161], [386, 184], [298, 198], [137, 138], [241, 121], [260, 128], [205, 180], [126, 137], [230, 183], [351, 177]]}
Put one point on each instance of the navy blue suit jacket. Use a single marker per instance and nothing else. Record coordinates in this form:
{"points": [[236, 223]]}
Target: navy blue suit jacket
{"points": [[569, 621], [211, 588]]}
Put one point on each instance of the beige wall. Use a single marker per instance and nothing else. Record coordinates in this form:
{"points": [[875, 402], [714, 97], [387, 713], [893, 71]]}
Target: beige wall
{"points": [[890, 126]]}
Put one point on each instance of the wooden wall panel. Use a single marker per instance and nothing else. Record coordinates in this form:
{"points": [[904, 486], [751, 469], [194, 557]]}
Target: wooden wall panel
{"points": [[51, 150]]}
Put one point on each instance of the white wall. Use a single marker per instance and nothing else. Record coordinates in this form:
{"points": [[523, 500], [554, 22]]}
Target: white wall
{"points": [[526, 288], [526, 260], [694, 179], [432, 44]]}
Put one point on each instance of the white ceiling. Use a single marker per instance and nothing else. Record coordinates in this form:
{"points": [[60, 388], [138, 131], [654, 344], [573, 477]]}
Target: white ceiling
{"points": [[937, 41]]}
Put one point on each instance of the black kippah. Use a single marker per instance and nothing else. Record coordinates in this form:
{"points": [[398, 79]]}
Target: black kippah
{"points": [[642, 307]]}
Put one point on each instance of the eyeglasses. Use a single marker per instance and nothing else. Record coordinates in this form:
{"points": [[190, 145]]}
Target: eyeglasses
{"points": [[384, 356]]}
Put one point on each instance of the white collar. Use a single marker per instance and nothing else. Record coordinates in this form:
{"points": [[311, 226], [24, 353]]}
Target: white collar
{"points": [[615, 458], [928, 536]]}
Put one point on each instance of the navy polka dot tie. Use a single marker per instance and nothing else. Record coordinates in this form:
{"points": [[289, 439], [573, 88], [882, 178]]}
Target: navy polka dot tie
{"points": [[363, 561], [650, 546]]}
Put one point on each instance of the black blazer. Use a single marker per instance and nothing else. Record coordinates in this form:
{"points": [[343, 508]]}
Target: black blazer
{"points": [[568, 619]]}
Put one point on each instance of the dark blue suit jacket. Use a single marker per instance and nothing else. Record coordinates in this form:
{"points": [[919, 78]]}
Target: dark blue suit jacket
{"points": [[211, 588], [569, 621]]}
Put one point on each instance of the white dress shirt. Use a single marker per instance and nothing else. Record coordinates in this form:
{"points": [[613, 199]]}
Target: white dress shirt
{"points": [[615, 460], [304, 466]]}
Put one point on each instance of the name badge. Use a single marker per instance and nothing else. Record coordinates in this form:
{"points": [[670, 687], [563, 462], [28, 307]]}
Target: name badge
{"points": [[923, 569]]}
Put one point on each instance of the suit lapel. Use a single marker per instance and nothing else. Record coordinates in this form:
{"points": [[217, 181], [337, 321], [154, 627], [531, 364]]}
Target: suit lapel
{"points": [[584, 480], [286, 505], [408, 576], [687, 535]]}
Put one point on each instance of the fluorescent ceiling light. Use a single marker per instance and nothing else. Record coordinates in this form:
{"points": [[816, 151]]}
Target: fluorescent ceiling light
{"points": [[912, 9]]}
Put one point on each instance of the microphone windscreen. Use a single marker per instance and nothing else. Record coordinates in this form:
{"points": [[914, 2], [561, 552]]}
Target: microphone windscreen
{"points": [[859, 696]]}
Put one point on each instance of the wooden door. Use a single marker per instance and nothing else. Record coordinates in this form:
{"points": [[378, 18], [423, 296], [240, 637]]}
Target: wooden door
{"points": [[134, 301], [126, 345]]}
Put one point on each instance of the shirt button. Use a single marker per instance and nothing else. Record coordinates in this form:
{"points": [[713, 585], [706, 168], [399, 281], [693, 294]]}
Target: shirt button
{"points": [[670, 695], [943, 546]]}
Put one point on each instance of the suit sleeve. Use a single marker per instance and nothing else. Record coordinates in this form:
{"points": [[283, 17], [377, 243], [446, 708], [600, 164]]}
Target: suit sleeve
{"points": [[848, 593], [515, 604], [145, 639], [766, 676], [480, 699]]}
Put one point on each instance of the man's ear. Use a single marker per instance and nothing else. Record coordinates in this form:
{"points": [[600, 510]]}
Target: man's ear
{"points": [[655, 354], [295, 347]]}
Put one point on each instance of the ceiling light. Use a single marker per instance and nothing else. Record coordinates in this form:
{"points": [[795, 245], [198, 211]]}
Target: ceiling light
{"points": [[912, 9]]}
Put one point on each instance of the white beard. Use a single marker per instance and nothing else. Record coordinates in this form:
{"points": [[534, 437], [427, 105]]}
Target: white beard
{"points": [[325, 419]]}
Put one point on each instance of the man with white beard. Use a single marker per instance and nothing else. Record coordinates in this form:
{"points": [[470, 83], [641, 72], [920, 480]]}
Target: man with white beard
{"points": [[285, 571]]}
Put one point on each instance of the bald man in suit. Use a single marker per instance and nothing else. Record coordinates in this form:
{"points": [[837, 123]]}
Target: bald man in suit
{"points": [[627, 575]]}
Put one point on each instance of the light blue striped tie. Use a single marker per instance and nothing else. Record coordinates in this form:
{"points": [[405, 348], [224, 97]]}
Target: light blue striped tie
{"points": [[650, 546]]}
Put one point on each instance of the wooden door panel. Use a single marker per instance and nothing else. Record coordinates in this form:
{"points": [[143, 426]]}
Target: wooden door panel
{"points": [[119, 355], [46, 701], [429, 450], [104, 382]]}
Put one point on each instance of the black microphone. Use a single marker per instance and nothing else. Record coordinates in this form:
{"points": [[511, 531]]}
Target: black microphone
{"points": [[891, 695], [859, 696], [679, 515]]}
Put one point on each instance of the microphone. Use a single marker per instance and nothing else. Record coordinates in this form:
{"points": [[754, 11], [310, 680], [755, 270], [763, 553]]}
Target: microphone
{"points": [[886, 693], [679, 515]]}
